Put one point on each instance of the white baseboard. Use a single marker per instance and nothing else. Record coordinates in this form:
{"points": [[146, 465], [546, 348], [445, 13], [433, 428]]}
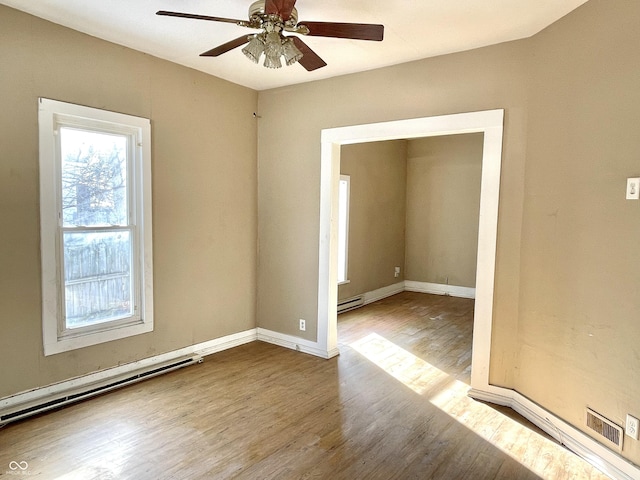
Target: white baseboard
{"points": [[226, 342], [89, 381], [596, 454], [56, 389], [295, 343], [439, 289], [420, 287], [583, 445], [384, 292]]}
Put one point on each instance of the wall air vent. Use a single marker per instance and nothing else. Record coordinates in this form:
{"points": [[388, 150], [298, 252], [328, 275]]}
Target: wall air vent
{"points": [[610, 433]]}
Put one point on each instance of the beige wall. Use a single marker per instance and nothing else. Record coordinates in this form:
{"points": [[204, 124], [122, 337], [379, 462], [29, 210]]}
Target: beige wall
{"points": [[443, 204], [204, 194], [414, 204], [289, 178], [378, 174], [565, 326], [579, 313]]}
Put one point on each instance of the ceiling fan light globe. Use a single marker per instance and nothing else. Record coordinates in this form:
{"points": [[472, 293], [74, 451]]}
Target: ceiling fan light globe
{"points": [[272, 61], [254, 49], [273, 43], [273, 50], [290, 52]]}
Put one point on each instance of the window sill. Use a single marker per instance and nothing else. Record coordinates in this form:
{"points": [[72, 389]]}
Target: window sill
{"points": [[65, 344]]}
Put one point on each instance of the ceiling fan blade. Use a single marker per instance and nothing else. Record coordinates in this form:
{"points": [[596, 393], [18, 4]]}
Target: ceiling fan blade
{"points": [[199, 17], [225, 47], [279, 7], [356, 31], [310, 59]]}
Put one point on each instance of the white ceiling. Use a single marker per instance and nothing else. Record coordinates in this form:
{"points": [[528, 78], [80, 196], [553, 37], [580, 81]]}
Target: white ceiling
{"points": [[414, 29]]}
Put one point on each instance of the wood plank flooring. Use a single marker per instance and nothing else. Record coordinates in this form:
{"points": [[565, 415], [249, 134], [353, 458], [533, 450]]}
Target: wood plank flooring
{"points": [[393, 405]]}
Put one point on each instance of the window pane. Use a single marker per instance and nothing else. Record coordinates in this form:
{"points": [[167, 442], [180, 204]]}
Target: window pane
{"points": [[97, 277], [94, 178], [343, 209]]}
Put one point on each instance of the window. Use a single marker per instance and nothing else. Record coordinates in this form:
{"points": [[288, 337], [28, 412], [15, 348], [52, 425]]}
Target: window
{"points": [[343, 227], [95, 223]]}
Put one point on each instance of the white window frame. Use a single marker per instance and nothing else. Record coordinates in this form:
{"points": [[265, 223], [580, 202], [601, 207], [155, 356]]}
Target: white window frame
{"points": [[52, 115], [345, 239]]}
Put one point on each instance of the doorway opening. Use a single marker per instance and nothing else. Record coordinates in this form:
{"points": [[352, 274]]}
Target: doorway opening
{"points": [[490, 123]]}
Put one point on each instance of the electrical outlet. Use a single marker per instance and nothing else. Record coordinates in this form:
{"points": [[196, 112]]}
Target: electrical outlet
{"points": [[396, 272], [303, 325], [632, 427]]}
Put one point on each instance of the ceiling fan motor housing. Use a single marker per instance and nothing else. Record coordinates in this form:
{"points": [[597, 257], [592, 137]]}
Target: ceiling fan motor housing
{"points": [[258, 16]]}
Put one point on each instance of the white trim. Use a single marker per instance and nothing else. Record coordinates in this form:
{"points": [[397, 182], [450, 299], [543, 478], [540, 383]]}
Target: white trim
{"points": [[384, 292], [295, 343], [487, 247], [327, 336], [225, 343], [204, 348], [439, 289], [411, 286], [490, 123], [581, 444]]}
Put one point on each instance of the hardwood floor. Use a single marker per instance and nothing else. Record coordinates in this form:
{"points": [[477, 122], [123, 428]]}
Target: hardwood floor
{"points": [[393, 405]]}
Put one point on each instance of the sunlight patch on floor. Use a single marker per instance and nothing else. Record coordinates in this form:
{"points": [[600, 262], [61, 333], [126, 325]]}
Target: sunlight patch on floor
{"points": [[527, 447], [105, 461], [405, 367]]}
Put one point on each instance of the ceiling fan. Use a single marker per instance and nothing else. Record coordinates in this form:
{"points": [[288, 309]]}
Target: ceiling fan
{"points": [[275, 16]]}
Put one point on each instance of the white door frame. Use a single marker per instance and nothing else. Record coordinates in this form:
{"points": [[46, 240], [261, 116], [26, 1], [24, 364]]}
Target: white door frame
{"points": [[488, 122]]}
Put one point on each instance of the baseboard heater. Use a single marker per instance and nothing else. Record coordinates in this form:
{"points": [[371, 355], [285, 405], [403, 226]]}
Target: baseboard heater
{"points": [[73, 395], [350, 303]]}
